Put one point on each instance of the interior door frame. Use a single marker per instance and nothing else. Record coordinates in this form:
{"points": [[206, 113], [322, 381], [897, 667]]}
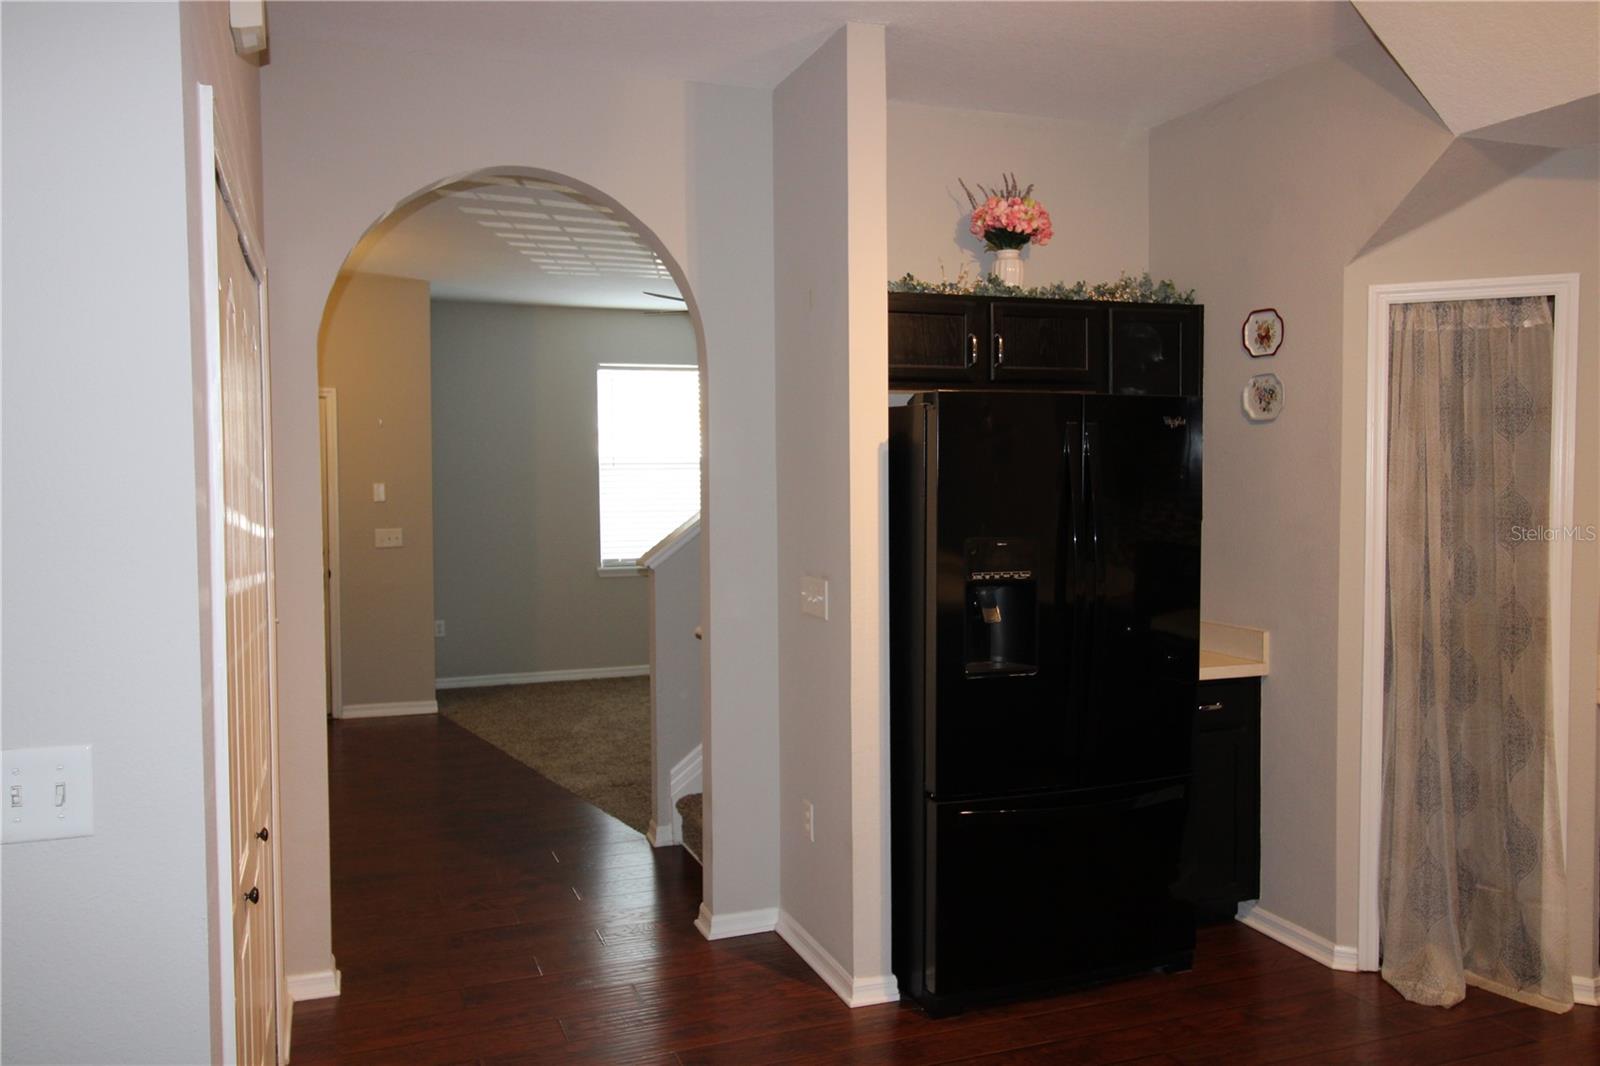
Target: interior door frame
{"points": [[216, 172], [329, 442], [1563, 455]]}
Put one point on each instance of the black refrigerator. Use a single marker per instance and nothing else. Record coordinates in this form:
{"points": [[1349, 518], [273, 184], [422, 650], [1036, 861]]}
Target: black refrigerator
{"points": [[1044, 632]]}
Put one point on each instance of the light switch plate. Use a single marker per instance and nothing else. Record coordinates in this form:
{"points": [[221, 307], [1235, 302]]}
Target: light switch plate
{"points": [[380, 492], [48, 793], [388, 538], [814, 596]]}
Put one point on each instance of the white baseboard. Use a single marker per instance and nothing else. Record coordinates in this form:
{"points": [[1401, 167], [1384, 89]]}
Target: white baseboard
{"points": [[687, 776], [855, 991], [663, 836], [1586, 990], [304, 986], [585, 673], [388, 710], [738, 923], [1311, 945]]}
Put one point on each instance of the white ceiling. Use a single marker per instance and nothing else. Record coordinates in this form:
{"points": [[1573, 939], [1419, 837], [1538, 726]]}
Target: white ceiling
{"points": [[1498, 63], [518, 240], [1133, 64]]}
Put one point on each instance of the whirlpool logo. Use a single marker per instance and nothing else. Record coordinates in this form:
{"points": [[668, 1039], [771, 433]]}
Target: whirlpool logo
{"points": [[1174, 421]]}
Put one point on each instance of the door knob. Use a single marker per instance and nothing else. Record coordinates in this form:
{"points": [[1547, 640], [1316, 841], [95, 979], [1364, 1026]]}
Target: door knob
{"points": [[254, 895], [262, 834]]}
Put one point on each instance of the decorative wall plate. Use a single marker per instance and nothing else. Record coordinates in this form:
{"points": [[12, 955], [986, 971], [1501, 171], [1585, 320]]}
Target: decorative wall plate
{"points": [[1263, 397], [1263, 332]]}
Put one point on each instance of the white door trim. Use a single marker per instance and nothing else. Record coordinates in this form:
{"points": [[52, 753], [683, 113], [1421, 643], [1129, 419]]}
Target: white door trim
{"points": [[1564, 399], [216, 594], [330, 451]]}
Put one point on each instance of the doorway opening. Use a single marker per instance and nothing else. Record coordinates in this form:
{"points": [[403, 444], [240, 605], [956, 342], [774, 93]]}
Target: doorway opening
{"points": [[1466, 653], [513, 479]]}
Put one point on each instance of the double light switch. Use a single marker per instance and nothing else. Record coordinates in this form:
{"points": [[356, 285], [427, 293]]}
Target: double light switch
{"points": [[49, 793]]}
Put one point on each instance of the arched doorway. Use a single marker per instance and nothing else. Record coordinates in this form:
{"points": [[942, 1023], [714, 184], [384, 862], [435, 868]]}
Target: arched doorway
{"points": [[570, 244]]}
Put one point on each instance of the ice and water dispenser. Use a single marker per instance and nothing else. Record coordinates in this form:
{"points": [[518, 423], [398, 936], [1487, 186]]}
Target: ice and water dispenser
{"points": [[1002, 608]]}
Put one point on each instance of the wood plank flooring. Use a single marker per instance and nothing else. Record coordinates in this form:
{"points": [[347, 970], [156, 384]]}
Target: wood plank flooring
{"points": [[483, 915]]}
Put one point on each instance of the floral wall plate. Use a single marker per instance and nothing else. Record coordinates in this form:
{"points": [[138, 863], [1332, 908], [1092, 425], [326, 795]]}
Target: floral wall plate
{"points": [[1263, 332], [1263, 397]]}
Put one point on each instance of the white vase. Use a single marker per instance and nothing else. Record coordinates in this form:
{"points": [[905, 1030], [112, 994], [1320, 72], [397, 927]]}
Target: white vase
{"points": [[1008, 266]]}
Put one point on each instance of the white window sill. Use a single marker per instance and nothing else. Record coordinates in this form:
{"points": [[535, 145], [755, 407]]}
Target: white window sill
{"points": [[619, 571]]}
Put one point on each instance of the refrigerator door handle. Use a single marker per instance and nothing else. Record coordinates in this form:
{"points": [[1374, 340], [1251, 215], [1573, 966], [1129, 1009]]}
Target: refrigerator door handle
{"points": [[1091, 465], [1071, 507]]}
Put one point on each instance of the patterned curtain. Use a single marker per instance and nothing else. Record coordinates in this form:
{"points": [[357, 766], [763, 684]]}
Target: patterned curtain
{"points": [[1473, 876]]}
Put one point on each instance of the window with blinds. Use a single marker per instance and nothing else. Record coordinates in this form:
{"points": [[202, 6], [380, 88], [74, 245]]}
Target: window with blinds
{"points": [[649, 422]]}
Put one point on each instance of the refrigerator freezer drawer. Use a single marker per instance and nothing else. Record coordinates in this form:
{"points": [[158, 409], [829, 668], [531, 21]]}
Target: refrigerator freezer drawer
{"points": [[1054, 889]]}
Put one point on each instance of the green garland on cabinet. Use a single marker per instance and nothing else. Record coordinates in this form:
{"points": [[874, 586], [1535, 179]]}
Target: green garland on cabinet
{"points": [[1126, 289]]}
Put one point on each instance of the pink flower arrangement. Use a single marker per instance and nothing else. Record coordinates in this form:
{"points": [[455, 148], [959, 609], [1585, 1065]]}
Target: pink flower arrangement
{"points": [[1009, 216]]}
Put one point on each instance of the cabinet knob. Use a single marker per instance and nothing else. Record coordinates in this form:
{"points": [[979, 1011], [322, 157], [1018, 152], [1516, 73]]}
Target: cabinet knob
{"points": [[254, 895], [999, 349], [262, 834], [972, 350]]}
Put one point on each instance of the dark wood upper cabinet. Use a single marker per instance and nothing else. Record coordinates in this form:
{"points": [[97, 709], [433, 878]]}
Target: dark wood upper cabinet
{"points": [[998, 342], [1155, 351], [937, 339], [1046, 342]]}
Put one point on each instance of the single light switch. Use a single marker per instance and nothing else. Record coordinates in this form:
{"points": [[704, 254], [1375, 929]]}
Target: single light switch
{"points": [[380, 492], [814, 596], [388, 538], [52, 793]]}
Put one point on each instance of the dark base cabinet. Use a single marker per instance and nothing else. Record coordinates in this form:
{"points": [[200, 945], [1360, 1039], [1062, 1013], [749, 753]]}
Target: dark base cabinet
{"points": [[1222, 844]]}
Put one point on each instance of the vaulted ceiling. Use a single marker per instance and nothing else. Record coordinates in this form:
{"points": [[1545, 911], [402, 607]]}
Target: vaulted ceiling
{"points": [[1134, 64], [1523, 73], [1490, 68]]}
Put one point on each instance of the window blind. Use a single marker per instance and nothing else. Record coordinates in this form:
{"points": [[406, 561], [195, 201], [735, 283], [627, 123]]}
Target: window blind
{"points": [[649, 449]]}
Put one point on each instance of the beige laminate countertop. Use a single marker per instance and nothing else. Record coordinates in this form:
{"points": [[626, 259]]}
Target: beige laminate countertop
{"points": [[1228, 651]]}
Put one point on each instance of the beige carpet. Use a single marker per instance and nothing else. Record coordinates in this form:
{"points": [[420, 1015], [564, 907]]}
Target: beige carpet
{"points": [[590, 737]]}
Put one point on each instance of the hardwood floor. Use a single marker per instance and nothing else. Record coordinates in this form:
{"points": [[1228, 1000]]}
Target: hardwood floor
{"points": [[481, 914]]}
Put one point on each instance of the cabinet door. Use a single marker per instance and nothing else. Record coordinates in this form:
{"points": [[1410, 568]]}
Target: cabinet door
{"points": [[1156, 351], [1222, 841], [1049, 342], [934, 339]]}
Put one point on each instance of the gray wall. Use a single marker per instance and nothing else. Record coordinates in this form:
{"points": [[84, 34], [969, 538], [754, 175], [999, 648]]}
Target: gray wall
{"points": [[831, 243], [516, 489], [1270, 221], [106, 948], [1093, 178]]}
